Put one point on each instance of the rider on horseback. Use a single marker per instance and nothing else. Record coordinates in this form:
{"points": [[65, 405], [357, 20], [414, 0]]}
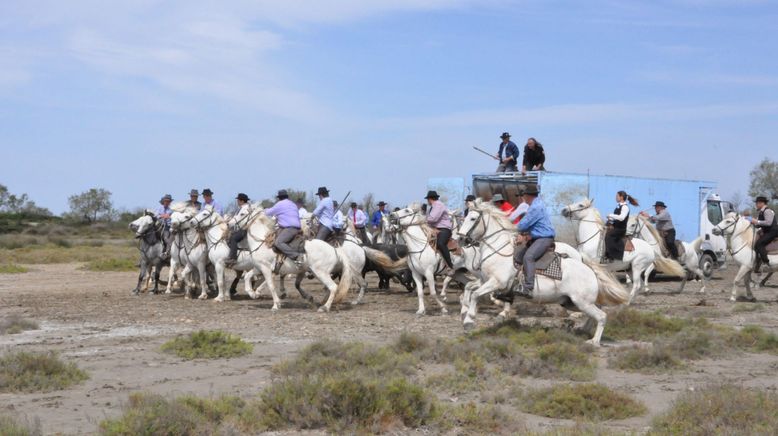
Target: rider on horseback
{"points": [[767, 222], [359, 218], [237, 234], [537, 233], [438, 218], [376, 220], [163, 213], [286, 212], [324, 211], [193, 202], [209, 201], [664, 224], [614, 247]]}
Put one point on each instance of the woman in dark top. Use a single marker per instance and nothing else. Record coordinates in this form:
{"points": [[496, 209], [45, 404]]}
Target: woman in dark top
{"points": [[614, 249], [534, 157]]}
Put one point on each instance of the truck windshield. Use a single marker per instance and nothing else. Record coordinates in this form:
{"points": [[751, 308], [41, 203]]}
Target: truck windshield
{"points": [[714, 212]]}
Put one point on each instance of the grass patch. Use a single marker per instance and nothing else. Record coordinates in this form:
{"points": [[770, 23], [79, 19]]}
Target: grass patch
{"points": [[628, 323], [724, 409], [51, 253], [652, 359], [747, 307], [14, 324], [207, 344], [122, 264], [593, 402], [12, 268], [475, 419], [11, 426], [36, 372]]}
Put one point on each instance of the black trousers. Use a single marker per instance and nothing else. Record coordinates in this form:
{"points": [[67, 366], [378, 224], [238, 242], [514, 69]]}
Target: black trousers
{"points": [[235, 238], [669, 236], [444, 235], [761, 244], [614, 248]]}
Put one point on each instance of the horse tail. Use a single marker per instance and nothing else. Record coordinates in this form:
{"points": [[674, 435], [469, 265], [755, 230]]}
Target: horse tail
{"points": [[610, 292], [386, 263], [669, 266], [346, 276], [696, 244]]}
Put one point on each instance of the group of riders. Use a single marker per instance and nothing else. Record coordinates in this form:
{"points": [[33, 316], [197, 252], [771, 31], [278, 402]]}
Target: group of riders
{"points": [[536, 232]]}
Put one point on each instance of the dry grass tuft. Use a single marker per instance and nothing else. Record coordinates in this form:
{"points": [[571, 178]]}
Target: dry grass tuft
{"points": [[37, 372], [12, 426], [205, 344], [593, 402], [14, 324], [12, 268]]}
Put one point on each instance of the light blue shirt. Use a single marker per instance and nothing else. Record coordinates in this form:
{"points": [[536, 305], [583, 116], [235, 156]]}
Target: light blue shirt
{"points": [[162, 210], [537, 221], [325, 211], [216, 206], [286, 212]]}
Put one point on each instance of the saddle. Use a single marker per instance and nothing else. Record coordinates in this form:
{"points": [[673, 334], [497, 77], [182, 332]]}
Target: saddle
{"points": [[772, 248], [454, 248], [628, 245]]}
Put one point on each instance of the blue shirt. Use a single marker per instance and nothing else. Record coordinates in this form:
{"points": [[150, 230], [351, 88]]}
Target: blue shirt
{"points": [[325, 210], [216, 206], [537, 221], [286, 212], [375, 221], [162, 210], [510, 150]]}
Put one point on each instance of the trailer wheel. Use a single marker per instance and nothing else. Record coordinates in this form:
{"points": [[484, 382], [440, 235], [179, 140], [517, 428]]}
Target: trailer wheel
{"points": [[707, 264]]}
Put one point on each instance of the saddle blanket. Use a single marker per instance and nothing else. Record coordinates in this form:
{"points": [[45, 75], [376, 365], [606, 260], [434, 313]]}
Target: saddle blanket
{"points": [[550, 265]]}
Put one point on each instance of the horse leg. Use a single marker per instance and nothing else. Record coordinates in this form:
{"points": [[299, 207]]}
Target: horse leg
{"points": [[171, 274], [141, 276], [741, 274], [646, 275], [594, 313], [472, 305], [637, 282], [331, 288], [766, 278], [234, 285], [247, 276], [187, 280], [431, 283], [281, 286], [420, 292], [446, 281], [298, 285], [267, 274], [362, 286]]}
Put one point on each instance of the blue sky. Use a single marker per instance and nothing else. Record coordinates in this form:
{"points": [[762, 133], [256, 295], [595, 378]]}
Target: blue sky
{"points": [[150, 97]]}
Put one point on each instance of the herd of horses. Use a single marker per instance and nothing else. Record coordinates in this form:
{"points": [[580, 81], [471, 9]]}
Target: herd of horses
{"points": [[403, 249]]}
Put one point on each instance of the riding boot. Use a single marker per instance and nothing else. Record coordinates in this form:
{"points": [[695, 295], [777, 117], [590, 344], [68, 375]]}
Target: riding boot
{"points": [[522, 289], [505, 295], [758, 265]]}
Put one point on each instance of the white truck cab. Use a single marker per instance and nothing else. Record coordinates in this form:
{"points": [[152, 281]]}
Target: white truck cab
{"points": [[714, 248]]}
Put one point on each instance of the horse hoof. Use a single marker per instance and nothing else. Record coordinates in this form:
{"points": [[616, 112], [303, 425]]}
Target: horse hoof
{"points": [[354, 303], [135, 293], [274, 309], [469, 327], [444, 311], [499, 320], [187, 297], [218, 299], [203, 297], [741, 299], [282, 296], [421, 313], [323, 309], [592, 343]]}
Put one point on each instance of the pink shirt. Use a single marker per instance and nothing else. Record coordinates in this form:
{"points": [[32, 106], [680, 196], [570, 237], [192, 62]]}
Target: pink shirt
{"points": [[438, 216]]}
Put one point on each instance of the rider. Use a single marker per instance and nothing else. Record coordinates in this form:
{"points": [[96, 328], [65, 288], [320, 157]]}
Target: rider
{"points": [[511, 154], [614, 248], [767, 222], [534, 157], [302, 212], [163, 212], [237, 234], [209, 201], [664, 224], [469, 202], [285, 211], [438, 218], [193, 196], [324, 211], [501, 204], [376, 221], [521, 209], [537, 233], [359, 218], [337, 219]]}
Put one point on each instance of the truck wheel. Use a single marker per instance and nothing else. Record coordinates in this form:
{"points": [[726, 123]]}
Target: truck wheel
{"points": [[707, 264]]}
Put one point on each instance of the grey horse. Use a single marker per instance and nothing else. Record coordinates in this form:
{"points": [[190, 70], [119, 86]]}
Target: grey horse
{"points": [[147, 229]]}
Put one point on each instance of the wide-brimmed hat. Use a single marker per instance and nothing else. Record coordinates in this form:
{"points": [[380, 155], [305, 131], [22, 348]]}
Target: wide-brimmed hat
{"points": [[660, 204], [242, 197], [470, 197], [382, 203], [497, 197], [531, 190], [207, 191], [166, 197], [282, 194], [322, 191], [194, 192], [432, 194], [505, 135], [353, 204], [761, 199]]}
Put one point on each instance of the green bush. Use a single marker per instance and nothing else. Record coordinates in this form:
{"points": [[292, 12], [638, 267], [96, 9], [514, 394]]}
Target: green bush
{"points": [[14, 324], [651, 360], [11, 268], [592, 402], [36, 372], [633, 324], [206, 344]]}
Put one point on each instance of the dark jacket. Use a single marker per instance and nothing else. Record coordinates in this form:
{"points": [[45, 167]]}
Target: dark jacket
{"points": [[534, 157], [510, 149]]}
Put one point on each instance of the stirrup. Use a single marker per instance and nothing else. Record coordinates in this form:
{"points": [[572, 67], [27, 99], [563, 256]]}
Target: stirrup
{"points": [[520, 290]]}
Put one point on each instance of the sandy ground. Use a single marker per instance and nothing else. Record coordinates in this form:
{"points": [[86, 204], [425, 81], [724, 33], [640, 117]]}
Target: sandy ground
{"points": [[92, 319]]}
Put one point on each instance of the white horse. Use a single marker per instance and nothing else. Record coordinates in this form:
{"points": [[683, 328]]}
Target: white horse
{"points": [[584, 285], [188, 249], [590, 233], [423, 259], [151, 247], [641, 228], [741, 236]]}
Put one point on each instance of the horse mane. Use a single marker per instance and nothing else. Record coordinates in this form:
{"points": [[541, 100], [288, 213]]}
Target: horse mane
{"points": [[748, 237], [654, 232], [179, 207], [496, 214]]}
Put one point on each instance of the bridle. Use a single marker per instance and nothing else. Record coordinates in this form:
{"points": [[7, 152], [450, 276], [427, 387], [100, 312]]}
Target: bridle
{"points": [[198, 223], [732, 236], [571, 212], [188, 245], [485, 239]]}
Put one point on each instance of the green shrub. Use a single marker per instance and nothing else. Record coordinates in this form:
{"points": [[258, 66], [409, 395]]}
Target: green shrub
{"points": [[592, 402], [14, 324], [720, 410], [112, 265], [207, 344], [568, 361], [11, 426], [10, 268], [747, 307], [633, 324], [475, 419], [652, 359], [34, 372], [753, 338]]}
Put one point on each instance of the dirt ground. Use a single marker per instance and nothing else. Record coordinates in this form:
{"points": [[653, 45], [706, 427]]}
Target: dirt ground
{"points": [[91, 318]]}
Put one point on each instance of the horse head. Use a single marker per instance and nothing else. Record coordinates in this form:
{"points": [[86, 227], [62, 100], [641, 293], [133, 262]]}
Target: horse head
{"points": [[204, 219], [577, 210], [142, 225], [472, 226], [404, 217], [182, 220], [727, 226]]}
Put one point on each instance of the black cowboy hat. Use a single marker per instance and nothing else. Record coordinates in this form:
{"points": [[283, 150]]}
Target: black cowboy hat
{"points": [[353, 204], [470, 197], [432, 194], [505, 135], [242, 197], [282, 194], [166, 197], [382, 203], [207, 191], [660, 204], [531, 190], [761, 199], [322, 191], [194, 192]]}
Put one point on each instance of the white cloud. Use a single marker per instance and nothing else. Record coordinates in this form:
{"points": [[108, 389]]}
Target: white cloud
{"points": [[711, 79]]}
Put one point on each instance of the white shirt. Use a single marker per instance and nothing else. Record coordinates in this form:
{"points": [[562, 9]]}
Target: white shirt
{"points": [[337, 219], [623, 215], [302, 212], [358, 216], [520, 210]]}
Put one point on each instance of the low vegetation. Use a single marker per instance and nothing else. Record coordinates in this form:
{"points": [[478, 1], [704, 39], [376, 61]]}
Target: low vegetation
{"points": [[50, 253], [15, 324], [721, 409], [646, 359], [748, 307], [37, 372], [592, 402], [12, 426], [486, 419], [121, 264], [205, 344], [12, 268]]}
